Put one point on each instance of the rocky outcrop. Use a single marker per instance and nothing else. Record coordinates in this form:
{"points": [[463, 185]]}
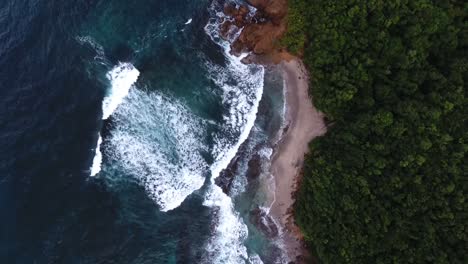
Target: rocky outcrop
{"points": [[239, 14], [226, 177], [261, 30], [264, 223], [274, 10]]}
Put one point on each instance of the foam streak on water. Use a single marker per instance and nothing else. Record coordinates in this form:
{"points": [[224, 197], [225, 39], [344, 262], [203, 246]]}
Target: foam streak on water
{"points": [[121, 77], [88, 40]]}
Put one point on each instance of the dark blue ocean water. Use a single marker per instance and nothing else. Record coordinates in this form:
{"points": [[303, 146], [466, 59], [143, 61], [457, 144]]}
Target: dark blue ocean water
{"points": [[189, 111]]}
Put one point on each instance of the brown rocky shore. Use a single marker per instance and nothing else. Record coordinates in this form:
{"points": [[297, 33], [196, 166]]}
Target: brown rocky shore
{"points": [[257, 31], [261, 30]]}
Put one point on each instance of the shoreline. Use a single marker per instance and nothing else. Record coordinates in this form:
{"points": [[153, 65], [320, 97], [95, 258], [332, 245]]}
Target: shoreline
{"points": [[302, 124]]}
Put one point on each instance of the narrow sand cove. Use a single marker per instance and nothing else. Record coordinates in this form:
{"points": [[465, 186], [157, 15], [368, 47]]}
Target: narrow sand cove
{"points": [[303, 123]]}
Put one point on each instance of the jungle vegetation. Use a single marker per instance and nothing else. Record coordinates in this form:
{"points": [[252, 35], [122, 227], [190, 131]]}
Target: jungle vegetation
{"points": [[388, 183]]}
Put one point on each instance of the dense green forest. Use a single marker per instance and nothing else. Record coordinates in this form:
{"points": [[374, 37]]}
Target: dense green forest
{"points": [[388, 183]]}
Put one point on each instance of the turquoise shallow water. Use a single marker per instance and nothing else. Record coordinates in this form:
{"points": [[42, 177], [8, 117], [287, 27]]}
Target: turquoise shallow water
{"points": [[144, 96]]}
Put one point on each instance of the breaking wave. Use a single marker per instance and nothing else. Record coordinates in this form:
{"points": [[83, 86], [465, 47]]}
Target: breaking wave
{"points": [[242, 88], [97, 160], [159, 142], [226, 244], [121, 77]]}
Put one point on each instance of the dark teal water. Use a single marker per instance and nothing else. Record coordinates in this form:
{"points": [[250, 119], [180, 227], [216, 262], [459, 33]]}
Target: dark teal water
{"points": [[152, 82]]}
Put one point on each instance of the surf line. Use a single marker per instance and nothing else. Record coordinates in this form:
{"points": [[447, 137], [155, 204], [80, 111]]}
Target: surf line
{"points": [[229, 233]]}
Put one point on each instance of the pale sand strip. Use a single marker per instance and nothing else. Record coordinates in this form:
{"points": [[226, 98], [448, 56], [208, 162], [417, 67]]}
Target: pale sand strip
{"points": [[304, 123]]}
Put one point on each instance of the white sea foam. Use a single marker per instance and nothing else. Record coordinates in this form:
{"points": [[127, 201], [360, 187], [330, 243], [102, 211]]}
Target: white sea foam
{"points": [[242, 88], [255, 259], [121, 77], [159, 142], [154, 139], [266, 152], [226, 244], [97, 160]]}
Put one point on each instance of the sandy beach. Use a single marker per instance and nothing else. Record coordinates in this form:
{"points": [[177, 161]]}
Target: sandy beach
{"points": [[303, 123]]}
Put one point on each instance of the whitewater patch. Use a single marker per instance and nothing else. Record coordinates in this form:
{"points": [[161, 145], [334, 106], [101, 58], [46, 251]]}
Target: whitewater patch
{"points": [[97, 160], [226, 244], [242, 89], [154, 139], [159, 142], [121, 77]]}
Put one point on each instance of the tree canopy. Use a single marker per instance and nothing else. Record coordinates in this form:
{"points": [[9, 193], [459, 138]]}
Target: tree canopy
{"points": [[388, 183]]}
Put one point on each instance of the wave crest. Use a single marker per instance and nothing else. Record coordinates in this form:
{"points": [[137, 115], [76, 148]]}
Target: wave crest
{"points": [[121, 77], [242, 89], [159, 142]]}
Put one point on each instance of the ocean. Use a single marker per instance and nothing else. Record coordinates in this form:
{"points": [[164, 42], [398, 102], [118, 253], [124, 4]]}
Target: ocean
{"points": [[130, 134]]}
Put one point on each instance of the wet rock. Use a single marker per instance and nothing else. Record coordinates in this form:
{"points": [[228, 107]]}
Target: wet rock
{"points": [[239, 21], [227, 176], [230, 9], [259, 4], [260, 38], [276, 10], [260, 30], [244, 10], [254, 167], [264, 223], [238, 17], [224, 29], [237, 48]]}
